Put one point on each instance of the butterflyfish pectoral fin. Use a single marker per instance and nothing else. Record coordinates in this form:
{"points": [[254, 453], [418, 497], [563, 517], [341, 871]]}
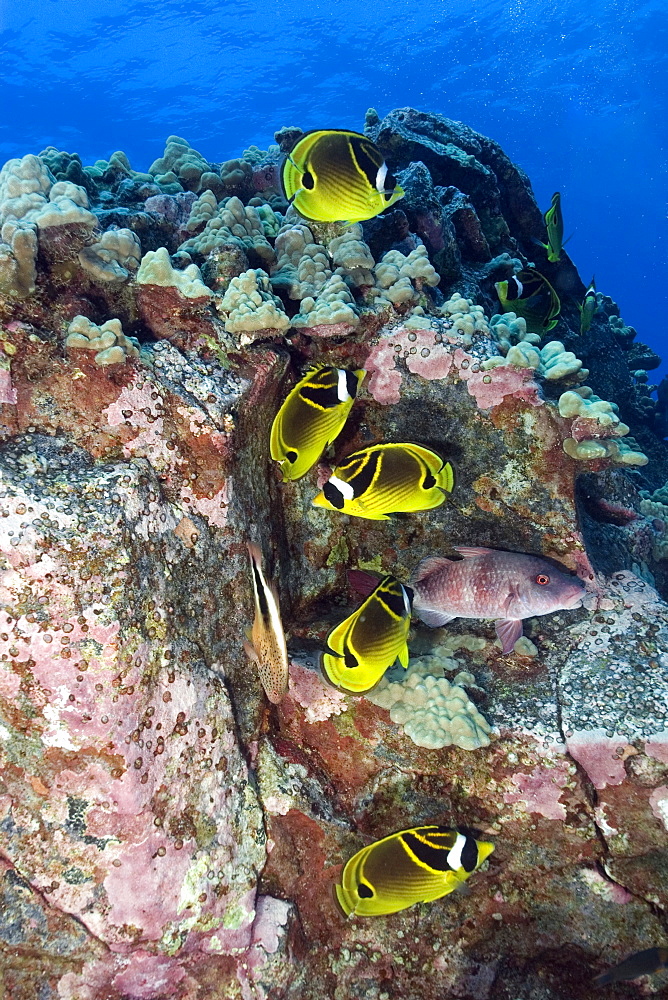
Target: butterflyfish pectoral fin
{"points": [[509, 630]]}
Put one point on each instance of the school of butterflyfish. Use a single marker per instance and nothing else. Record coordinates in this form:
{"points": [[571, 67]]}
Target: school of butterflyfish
{"points": [[339, 175]]}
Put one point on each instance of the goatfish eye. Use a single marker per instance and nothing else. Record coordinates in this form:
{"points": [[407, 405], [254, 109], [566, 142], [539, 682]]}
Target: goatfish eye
{"points": [[542, 579], [529, 294], [361, 648], [311, 417], [412, 866], [334, 175], [387, 479]]}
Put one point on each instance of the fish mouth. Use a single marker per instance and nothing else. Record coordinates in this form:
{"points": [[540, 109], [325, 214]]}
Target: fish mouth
{"points": [[575, 599]]}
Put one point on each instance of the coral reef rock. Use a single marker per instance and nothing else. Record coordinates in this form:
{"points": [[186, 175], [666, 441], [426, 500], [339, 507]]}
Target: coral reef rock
{"points": [[165, 833]]}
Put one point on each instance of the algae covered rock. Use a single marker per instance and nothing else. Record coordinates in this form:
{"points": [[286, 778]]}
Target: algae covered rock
{"points": [[163, 832]]}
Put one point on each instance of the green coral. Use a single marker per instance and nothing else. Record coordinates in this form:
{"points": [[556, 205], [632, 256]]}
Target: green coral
{"points": [[553, 362], [108, 341], [508, 329], [179, 164], [433, 711], [156, 269], [250, 307], [333, 305], [114, 257], [233, 223]]}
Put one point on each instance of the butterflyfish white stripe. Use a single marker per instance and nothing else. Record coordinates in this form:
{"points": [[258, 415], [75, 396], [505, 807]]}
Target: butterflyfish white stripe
{"points": [[455, 852], [345, 489], [380, 178], [342, 389], [274, 611]]}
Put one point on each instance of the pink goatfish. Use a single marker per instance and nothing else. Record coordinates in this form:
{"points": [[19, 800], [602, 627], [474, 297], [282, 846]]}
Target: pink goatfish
{"points": [[488, 583]]}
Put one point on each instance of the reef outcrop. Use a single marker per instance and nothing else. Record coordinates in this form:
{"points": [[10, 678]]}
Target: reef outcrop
{"points": [[164, 831]]}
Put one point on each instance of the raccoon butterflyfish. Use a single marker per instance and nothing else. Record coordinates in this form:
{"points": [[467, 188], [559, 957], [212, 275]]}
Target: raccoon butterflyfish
{"points": [[311, 416], [642, 963], [530, 294], [588, 307], [554, 223], [387, 479], [333, 175], [267, 642], [362, 647], [412, 866]]}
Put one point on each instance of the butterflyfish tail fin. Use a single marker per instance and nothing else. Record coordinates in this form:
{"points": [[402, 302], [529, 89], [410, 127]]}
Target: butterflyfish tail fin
{"points": [[446, 478]]}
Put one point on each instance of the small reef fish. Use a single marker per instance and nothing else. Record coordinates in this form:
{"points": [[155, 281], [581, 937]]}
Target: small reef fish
{"points": [[642, 963], [554, 223], [333, 175], [412, 866], [311, 416], [362, 647], [529, 294], [588, 307], [267, 647], [387, 479], [488, 583]]}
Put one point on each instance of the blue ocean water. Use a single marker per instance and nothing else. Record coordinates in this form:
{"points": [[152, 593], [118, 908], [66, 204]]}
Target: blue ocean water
{"points": [[576, 94]]}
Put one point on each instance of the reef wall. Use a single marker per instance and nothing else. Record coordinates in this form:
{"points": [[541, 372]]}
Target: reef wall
{"points": [[165, 833]]}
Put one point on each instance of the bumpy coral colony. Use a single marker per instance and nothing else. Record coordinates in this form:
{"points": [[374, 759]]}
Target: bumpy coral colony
{"points": [[166, 831]]}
